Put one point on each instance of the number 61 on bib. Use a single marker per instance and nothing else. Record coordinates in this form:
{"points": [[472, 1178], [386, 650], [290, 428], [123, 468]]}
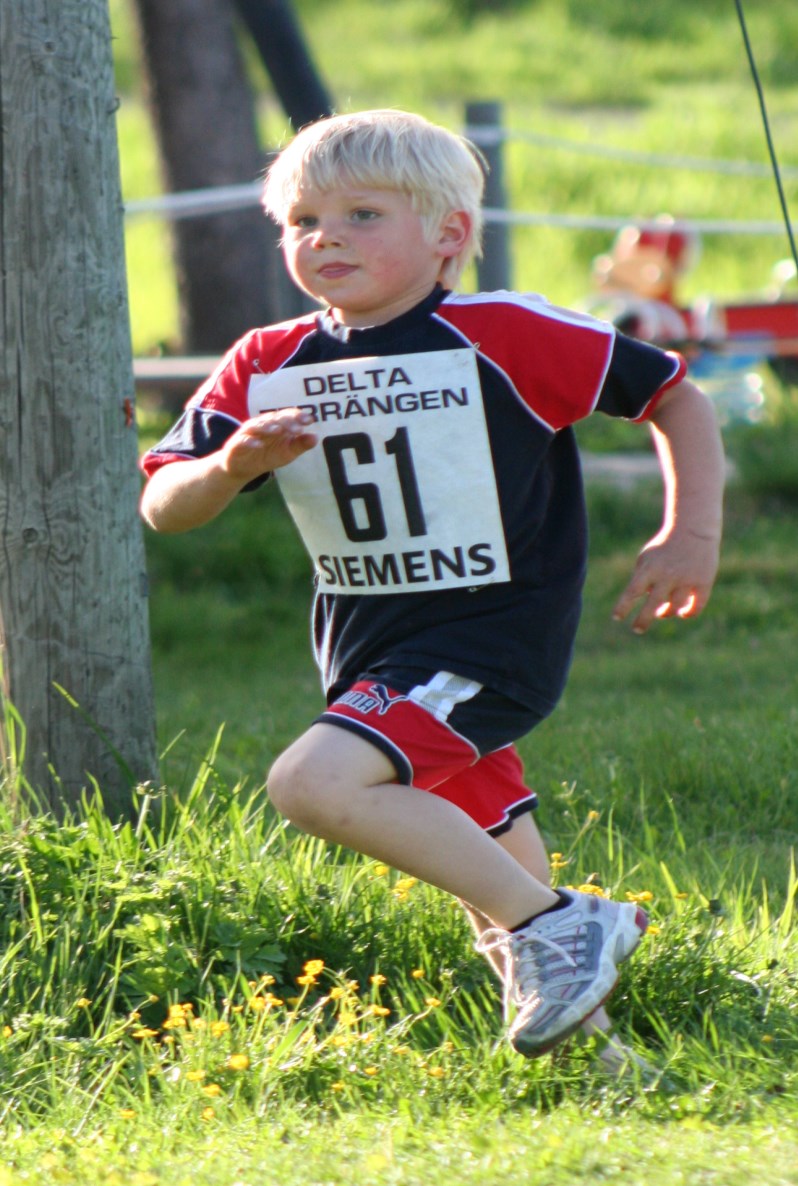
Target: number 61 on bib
{"points": [[400, 495]]}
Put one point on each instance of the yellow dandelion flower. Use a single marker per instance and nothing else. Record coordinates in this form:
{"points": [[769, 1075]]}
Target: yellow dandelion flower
{"points": [[337, 993], [436, 1072], [432, 1002], [195, 1076], [653, 929], [379, 1010], [313, 967], [218, 1028], [417, 973], [380, 870], [144, 1032], [134, 1017], [589, 888], [401, 1049], [306, 981], [377, 979], [199, 1023], [341, 1040], [592, 816], [404, 884], [767, 1038], [82, 1003], [257, 1004], [337, 1086], [127, 1113], [556, 856], [208, 1113], [371, 1071], [238, 1009], [643, 896], [7, 1031], [347, 1017], [238, 1062], [212, 1089], [352, 986], [266, 979], [271, 999], [177, 1010]]}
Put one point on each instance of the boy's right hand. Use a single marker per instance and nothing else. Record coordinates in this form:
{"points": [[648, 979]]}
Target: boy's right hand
{"points": [[265, 443]]}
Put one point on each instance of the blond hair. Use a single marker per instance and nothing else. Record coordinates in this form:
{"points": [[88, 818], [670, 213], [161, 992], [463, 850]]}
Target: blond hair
{"points": [[385, 149]]}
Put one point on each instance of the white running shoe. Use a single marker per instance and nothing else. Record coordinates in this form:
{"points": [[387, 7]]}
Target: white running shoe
{"points": [[563, 965]]}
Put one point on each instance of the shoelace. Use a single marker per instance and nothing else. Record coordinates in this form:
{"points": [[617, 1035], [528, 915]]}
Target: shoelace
{"points": [[528, 966]]}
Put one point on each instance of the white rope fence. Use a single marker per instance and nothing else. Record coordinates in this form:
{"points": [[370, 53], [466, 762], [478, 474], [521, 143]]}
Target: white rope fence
{"points": [[226, 198], [485, 137]]}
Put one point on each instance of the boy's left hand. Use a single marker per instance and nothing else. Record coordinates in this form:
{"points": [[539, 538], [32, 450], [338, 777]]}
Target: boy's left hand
{"points": [[675, 573]]}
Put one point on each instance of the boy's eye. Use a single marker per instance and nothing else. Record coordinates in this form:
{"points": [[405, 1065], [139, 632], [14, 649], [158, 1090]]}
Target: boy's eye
{"points": [[304, 221], [364, 215]]}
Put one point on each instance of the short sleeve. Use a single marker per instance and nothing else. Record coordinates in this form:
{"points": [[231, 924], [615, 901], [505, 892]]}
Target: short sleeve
{"points": [[637, 376]]}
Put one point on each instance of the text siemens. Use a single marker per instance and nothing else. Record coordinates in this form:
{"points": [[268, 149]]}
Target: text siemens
{"points": [[400, 569]]}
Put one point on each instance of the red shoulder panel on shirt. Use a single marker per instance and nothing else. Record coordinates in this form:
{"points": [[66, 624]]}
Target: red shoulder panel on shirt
{"points": [[555, 359], [260, 351]]}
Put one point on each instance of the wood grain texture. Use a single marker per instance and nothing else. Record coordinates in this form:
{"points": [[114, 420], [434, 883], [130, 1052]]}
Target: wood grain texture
{"points": [[73, 598]]}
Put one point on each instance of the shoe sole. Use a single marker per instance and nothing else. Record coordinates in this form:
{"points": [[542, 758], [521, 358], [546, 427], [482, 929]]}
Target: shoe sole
{"points": [[633, 936]]}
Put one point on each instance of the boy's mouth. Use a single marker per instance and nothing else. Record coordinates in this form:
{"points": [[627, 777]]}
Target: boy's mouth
{"points": [[334, 271]]}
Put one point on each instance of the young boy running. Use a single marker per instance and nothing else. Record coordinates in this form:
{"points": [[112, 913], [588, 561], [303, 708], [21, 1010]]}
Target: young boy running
{"points": [[423, 443]]}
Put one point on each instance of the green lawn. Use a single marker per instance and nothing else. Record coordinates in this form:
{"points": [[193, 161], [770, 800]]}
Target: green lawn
{"points": [[152, 1028]]}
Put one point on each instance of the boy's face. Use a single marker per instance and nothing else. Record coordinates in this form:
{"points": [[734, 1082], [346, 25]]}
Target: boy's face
{"points": [[363, 251]]}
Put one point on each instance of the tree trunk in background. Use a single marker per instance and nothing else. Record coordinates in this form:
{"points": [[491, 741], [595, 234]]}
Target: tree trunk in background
{"points": [[73, 599], [276, 32], [227, 265]]}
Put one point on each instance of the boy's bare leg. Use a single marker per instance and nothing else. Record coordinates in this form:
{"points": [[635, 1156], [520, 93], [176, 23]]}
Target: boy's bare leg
{"points": [[523, 841], [334, 784]]}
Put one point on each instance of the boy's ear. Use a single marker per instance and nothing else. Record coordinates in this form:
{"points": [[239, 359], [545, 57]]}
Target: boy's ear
{"points": [[454, 233]]}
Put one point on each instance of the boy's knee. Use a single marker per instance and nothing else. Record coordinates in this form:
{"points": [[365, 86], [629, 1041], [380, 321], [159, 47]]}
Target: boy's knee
{"points": [[288, 788], [318, 782], [306, 793]]}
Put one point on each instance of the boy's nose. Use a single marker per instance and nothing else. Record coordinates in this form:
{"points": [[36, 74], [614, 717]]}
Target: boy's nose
{"points": [[327, 235]]}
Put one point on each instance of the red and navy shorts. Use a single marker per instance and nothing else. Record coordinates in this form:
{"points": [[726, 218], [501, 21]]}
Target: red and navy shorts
{"points": [[445, 734]]}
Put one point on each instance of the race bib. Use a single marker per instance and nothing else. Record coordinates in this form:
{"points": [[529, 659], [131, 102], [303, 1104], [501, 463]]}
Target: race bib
{"points": [[400, 493]]}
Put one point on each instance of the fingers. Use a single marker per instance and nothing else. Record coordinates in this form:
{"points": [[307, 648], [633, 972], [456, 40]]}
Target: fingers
{"points": [[661, 600], [268, 442], [287, 424]]}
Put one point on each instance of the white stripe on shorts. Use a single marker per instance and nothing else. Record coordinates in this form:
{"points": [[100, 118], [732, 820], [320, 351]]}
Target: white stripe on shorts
{"points": [[443, 693]]}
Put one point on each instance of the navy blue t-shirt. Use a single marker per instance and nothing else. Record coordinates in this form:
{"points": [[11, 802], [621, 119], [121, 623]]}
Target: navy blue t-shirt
{"points": [[443, 508]]}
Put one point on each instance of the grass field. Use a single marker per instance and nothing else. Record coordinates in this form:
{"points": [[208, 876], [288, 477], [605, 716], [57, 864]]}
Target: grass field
{"points": [[204, 997], [153, 1026]]}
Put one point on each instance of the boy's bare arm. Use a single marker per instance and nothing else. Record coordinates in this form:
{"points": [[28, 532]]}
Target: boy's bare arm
{"points": [[676, 570], [186, 494]]}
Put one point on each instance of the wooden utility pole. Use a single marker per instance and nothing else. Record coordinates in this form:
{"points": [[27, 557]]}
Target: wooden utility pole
{"points": [[73, 597]]}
